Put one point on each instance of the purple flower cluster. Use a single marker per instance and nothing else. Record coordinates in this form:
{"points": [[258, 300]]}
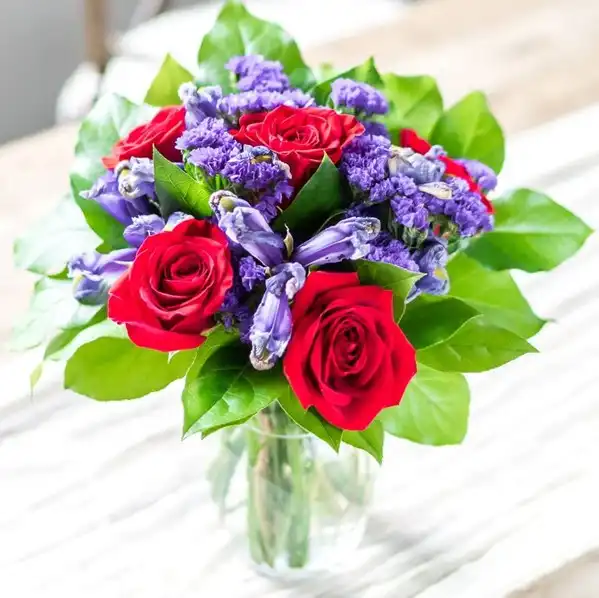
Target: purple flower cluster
{"points": [[364, 162], [361, 98], [391, 251], [254, 73], [199, 103], [231, 107]]}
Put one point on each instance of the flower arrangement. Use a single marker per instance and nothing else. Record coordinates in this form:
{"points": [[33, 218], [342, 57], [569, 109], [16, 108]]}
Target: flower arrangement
{"points": [[323, 252]]}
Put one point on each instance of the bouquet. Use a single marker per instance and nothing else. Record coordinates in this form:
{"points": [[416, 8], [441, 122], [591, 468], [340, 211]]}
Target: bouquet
{"points": [[317, 255]]}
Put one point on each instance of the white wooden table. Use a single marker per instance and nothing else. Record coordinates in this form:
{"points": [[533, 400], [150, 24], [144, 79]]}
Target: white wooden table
{"points": [[104, 501]]}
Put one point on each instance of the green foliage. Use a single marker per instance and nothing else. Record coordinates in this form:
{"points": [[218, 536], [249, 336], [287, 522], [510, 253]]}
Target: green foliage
{"points": [[469, 130], [476, 347], [225, 388], [114, 369], [414, 103], [164, 90], [309, 420], [366, 73], [177, 190], [493, 294], [109, 120], [389, 277], [532, 233], [236, 33], [317, 200], [434, 409], [370, 440]]}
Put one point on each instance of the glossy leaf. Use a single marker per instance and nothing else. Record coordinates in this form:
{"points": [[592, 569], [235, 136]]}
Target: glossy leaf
{"points": [[237, 33], [390, 277], [177, 190], [309, 420], [414, 103], [493, 294], [365, 73], [226, 389], [476, 347], [47, 247], [434, 409], [317, 200], [370, 440], [429, 321], [469, 130], [109, 120], [532, 233], [164, 90], [114, 369]]}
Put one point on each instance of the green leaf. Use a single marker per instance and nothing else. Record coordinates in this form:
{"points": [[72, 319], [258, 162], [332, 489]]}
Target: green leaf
{"points": [[532, 233], [476, 347], [110, 119], [414, 103], [493, 294], [114, 369], [429, 321], [318, 199], [164, 90], [176, 190], [309, 420], [469, 130], [47, 246], [238, 33], [365, 73], [434, 409], [370, 440], [52, 308], [227, 389], [389, 277], [35, 376]]}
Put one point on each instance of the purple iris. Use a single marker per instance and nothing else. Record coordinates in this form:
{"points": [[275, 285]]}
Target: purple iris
{"points": [[199, 103], [141, 228]]}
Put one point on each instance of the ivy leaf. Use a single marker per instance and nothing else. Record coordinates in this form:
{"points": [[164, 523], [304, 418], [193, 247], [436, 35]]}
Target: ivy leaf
{"points": [[476, 347], [48, 246], [177, 190], [434, 409], [414, 103], [389, 277], [365, 73], [52, 308], [114, 369], [317, 200], [493, 294], [309, 420], [430, 321], [238, 33], [164, 90], [370, 440], [532, 233], [109, 120], [469, 130], [226, 389]]}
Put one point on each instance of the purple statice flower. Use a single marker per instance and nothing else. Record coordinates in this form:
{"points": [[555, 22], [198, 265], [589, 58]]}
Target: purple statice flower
{"points": [[359, 97], [271, 328], [410, 211], [94, 273], [364, 161], [254, 73], [136, 178], [432, 259], [211, 160], [349, 239], [246, 226], [211, 132], [251, 272], [105, 192], [464, 209], [482, 174], [141, 228], [199, 103], [391, 251], [374, 129], [232, 106]]}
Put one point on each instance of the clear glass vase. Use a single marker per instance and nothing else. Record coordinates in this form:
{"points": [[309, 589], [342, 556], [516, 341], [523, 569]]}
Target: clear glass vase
{"points": [[301, 506]]}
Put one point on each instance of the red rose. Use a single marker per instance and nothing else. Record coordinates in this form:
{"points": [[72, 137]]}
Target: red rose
{"points": [[175, 285], [409, 138], [347, 357], [161, 132], [299, 136]]}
